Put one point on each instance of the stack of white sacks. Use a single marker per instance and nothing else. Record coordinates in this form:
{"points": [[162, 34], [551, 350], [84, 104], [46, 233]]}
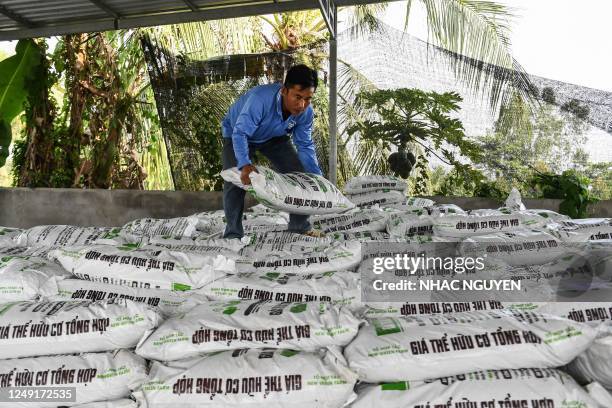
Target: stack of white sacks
{"points": [[166, 313]]}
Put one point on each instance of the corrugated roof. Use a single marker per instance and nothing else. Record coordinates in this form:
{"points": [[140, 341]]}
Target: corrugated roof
{"points": [[37, 18]]}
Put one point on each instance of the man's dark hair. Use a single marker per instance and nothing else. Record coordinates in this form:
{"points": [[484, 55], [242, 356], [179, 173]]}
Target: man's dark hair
{"points": [[302, 76]]}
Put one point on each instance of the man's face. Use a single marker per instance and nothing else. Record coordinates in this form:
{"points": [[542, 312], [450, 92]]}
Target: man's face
{"points": [[296, 99]]}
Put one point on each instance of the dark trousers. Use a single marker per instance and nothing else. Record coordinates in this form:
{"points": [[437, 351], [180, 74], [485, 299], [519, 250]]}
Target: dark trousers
{"points": [[284, 158]]}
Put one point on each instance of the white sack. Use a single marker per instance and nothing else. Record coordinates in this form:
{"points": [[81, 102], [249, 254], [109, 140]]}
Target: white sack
{"points": [[377, 198], [277, 240], [587, 229], [62, 235], [233, 324], [365, 184], [591, 313], [520, 388], [234, 245], [438, 210], [366, 220], [366, 236], [409, 225], [122, 403], [514, 201], [253, 378], [514, 248], [169, 303], [338, 288], [595, 363], [22, 277], [337, 256], [419, 202], [173, 227], [8, 235], [147, 267], [417, 348], [399, 309], [460, 226], [95, 377], [600, 394], [295, 193], [30, 329]]}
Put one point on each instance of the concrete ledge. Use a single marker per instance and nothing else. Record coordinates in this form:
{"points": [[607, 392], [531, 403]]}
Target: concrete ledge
{"points": [[28, 207], [599, 209]]}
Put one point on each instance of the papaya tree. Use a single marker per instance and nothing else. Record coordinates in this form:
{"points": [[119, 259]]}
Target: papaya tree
{"points": [[412, 120]]}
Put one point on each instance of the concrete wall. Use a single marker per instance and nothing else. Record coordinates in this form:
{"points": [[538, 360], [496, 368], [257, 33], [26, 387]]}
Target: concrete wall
{"points": [[27, 207], [600, 209]]}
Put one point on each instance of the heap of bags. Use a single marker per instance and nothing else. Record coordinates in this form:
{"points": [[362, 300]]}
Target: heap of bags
{"points": [[167, 313]]}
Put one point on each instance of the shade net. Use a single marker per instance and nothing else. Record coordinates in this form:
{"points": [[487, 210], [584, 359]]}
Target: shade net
{"points": [[192, 98]]}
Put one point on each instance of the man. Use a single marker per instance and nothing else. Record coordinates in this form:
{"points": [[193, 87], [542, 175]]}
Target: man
{"points": [[262, 120]]}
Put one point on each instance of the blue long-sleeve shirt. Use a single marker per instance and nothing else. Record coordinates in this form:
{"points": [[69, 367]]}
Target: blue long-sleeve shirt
{"points": [[257, 116]]}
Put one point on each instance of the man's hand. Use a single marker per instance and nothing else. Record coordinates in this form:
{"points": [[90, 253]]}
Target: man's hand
{"points": [[244, 174]]}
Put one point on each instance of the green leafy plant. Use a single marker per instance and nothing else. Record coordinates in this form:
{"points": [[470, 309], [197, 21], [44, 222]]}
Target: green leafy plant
{"points": [[15, 72], [412, 118], [467, 182], [570, 186]]}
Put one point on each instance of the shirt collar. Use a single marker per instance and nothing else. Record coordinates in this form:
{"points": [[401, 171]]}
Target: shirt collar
{"points": [[279, 102]]}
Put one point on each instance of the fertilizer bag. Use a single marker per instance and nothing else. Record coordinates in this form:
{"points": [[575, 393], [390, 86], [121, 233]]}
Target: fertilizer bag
{"points": [[29, 329], [218, 326], [421, 347], [23, 277], [336, 256], [338, 288], [157, 268], [366, 184], [254, 378], [169, 303], [522, 388], [94, 376], [295, 193]]}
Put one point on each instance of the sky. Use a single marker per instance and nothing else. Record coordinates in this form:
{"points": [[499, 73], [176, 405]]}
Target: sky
{"points": [[565, 40], [569, 41]]}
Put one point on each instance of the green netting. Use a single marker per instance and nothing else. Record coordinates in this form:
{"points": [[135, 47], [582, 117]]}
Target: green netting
{"points": [[192, 97]]}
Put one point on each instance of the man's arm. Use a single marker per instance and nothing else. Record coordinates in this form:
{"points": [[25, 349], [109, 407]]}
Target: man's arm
{"points": [[249, 118], [302, 139]]}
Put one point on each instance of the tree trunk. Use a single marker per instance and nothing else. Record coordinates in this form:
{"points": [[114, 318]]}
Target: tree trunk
{"points": [[38, 161]]}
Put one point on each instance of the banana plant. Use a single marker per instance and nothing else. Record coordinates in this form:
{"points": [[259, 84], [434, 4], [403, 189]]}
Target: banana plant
{"points": [[15, 71]]}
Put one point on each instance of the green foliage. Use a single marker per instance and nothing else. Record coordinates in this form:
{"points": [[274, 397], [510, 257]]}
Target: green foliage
{"points": [[576, 108], [548, 95], [571, 187], [546, 140], [15, 74], [207, 128], [412, 118], [466, 182], [601, 177]]}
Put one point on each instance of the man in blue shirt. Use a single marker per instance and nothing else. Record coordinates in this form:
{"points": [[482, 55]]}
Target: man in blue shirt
{"points": [[263, 119]]}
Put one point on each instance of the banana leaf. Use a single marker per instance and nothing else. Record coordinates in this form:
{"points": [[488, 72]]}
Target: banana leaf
{"points": [[15, 71]]}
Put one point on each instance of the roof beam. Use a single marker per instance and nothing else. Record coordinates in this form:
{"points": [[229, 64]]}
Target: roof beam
{"points": [[209, 13], [205, 12], [329, 12], [191, 5], [16, 17], [106, 8]]}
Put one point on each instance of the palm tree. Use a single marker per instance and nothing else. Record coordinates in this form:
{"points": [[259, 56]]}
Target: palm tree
{"points": [[477, 32], [474, 35]]}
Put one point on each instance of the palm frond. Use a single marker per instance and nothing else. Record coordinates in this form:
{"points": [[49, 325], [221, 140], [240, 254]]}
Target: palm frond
{"points": [[407, 17], [364, 19], [476, 34]]}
